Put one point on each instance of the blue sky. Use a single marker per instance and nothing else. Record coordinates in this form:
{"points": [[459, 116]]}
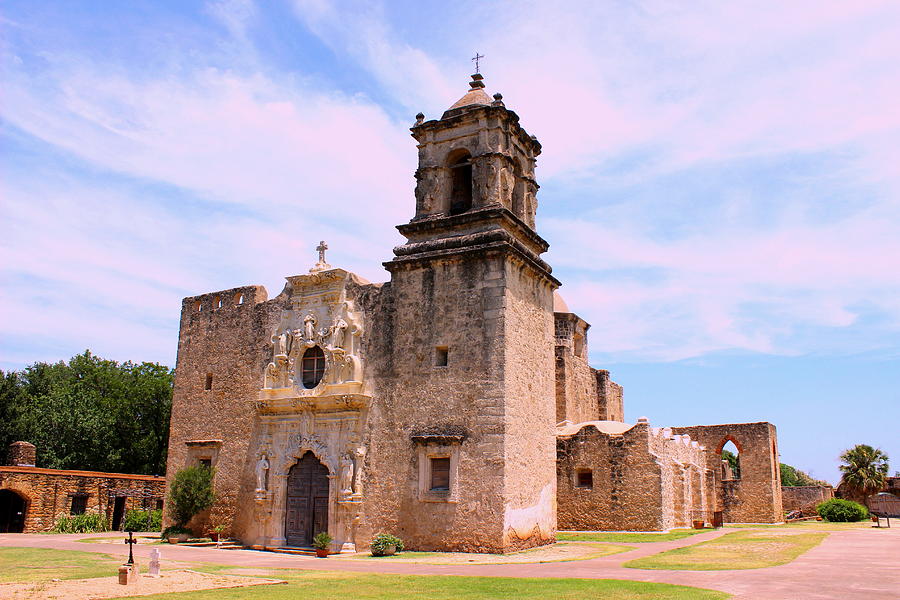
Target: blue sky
{"points": [[720, 181]]}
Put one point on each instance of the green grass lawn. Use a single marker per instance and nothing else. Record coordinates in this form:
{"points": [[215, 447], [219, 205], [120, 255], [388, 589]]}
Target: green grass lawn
{"points": [[627, 537], [560, 552], [738, 550], [39, 564], [333, 585], [43, 564], [808, 525]]}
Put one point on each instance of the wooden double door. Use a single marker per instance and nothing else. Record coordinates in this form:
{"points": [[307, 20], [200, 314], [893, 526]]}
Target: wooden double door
{"points": [[307, 501]]}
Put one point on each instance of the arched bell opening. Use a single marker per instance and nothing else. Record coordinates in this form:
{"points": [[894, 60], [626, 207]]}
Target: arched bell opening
{"points": [[460, 164]]}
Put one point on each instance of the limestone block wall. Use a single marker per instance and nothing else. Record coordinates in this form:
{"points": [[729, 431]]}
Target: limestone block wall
{"points": [[610, 397], [223, 345], [530, 417], [756, 496], [805, 498], [642, 479], [48, 492], [456, 305], [576, 388]]}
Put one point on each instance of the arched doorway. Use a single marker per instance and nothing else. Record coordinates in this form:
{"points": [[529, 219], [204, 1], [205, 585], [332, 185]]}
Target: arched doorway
{"points": [[307, 501], [12, 512]]}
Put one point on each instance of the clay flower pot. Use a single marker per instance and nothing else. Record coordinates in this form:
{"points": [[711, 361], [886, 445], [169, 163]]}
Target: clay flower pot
{"points": [[698, 524], [390, 550], [178, 537], [322, 552]]}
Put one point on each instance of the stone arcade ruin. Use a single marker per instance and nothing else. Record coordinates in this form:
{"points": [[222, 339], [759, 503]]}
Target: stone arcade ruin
{"points": [[452, 405]]}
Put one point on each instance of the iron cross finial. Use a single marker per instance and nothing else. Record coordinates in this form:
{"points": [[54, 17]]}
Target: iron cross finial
{"points": [[476, 58]]}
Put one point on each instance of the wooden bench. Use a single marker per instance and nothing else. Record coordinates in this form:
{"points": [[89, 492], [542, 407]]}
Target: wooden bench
{"points": [[884, 506]]}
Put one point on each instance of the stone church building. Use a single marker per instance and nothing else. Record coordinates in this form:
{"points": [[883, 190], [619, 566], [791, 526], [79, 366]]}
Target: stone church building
{"points": [[452, 405]]}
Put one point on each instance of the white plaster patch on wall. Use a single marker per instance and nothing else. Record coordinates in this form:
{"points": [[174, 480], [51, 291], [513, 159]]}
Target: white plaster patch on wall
{"points": [[541, 515]]}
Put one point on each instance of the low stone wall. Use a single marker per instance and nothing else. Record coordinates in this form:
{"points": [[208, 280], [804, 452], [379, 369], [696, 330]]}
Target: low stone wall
{"points": [[615, 477], [805, 497], [48, 493]]}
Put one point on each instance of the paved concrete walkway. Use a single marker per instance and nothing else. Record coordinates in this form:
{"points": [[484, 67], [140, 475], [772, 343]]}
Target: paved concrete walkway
{"points": [[852, 563]]}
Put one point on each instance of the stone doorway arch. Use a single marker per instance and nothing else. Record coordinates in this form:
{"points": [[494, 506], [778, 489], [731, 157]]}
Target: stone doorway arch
{"points": [[306, 506], [12, 512]]}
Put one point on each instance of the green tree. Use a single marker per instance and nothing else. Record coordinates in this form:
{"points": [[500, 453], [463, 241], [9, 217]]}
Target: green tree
{"points": [[864, 470], [792, 477], [191, 492], [733, 461], [90, 413]]}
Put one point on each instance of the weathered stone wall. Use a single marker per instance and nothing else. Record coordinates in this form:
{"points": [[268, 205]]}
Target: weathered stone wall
{"points": [[756, 496], [477, 308], [454, 304], [529, 419], [229, 342], [643, 478], [576, 388], [805, 498], [610, 401], [48, 492], [21, 454]]}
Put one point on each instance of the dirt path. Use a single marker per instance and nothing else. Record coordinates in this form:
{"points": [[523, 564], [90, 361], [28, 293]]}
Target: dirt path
{"points": [[853, 563]]}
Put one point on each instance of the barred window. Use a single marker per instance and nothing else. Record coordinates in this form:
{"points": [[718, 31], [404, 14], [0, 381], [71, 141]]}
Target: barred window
{"points": [[312, 367], [440, 474], [79, 505]]}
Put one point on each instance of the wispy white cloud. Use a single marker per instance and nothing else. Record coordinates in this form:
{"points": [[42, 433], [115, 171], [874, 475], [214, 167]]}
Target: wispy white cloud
{"points": [[625, 97]]}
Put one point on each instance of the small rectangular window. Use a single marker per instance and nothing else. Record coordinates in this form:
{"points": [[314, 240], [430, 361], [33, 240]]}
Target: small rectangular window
{"points": [[440, 474], [208, 384], [205, 462], [79, 505], [585, 479], [441, 356], [159, 504]]}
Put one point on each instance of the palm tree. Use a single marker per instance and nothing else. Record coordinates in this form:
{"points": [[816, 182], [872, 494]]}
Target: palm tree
{"points": [[864, 470]]}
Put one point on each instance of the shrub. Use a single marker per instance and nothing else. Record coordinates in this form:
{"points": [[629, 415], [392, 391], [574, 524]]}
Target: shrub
{"points": [[143, 520], [175, 530], [84, 523], [191, 492], [382, 541], [842, 511]]}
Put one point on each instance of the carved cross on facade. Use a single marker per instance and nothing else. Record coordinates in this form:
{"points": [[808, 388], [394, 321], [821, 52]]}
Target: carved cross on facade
{"points": [[475, 59], [321, 265]]}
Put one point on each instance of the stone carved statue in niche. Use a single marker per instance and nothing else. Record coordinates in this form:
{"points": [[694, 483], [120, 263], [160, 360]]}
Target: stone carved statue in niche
{"points": [[278, 373], [281, 344], [346, 476], [359, 453], [338, 332], [262, 471], [309, 329]]}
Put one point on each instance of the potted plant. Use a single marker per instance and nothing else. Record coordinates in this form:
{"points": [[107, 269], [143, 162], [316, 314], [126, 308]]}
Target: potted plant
{"points": [[176, 533], [386, 544], [216, 532], [321, 542]]}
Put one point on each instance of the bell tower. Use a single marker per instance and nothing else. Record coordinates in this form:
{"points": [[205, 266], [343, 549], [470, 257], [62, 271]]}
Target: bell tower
{"points": [[475, 156], [469, 391]]}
